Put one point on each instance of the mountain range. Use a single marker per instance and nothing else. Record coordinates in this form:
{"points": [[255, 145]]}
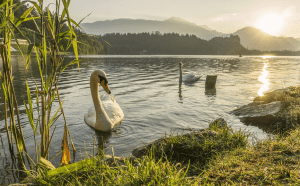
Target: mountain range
{"points": [[251, 37]]}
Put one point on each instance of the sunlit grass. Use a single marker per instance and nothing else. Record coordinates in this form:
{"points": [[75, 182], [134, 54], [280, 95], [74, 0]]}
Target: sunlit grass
{"points": [[273, 161], [270, 162], [173, 160]]}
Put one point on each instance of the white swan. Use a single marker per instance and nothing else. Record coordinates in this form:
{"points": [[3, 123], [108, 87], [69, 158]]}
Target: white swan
{"points": [[107, 113], [188, 77]]}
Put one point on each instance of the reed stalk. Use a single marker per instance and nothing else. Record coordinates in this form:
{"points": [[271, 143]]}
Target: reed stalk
{"points": [[55, 29], [8, 26]]}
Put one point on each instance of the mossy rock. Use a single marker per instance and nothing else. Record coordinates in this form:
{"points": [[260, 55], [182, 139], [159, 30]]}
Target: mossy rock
{"points": [[288, 117]]}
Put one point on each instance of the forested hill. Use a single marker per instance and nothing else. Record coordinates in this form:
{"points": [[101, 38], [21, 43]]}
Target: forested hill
{"points": [[171, 43], [86, 44]]}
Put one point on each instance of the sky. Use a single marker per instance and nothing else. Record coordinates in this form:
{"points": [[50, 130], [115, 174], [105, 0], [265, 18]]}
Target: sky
{"points": [[279, 18]]}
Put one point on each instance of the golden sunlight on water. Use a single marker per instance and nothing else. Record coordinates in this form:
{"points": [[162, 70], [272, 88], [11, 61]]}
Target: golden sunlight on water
{"points": [[263, 78]]}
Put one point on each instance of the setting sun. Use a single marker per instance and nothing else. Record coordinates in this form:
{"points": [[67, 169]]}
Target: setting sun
{"points": [[270, 24]]}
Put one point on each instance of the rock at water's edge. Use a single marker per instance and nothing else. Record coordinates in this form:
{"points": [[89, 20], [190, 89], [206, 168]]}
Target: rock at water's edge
{"points": [[252, 110], [259, 114]]}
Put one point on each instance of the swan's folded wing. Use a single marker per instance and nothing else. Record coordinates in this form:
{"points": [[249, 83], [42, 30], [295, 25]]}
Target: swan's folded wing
{"points": [[90, 117], [113, 111], [188, 77]]}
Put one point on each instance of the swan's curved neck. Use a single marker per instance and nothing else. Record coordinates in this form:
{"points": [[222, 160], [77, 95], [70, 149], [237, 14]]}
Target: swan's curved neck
{"points": [[102, 120]]}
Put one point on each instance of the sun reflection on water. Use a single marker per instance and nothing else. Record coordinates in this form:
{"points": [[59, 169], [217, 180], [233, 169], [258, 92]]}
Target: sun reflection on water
{"points": [[263, 78], [267, 57]]}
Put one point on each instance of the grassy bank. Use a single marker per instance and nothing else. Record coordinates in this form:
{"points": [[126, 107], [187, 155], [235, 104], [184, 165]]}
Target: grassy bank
{"points": [[215, 156], [169, 161], [212, 157]]}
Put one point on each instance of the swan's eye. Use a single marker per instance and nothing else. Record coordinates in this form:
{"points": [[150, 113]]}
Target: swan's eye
{"points": [[103, 79]]}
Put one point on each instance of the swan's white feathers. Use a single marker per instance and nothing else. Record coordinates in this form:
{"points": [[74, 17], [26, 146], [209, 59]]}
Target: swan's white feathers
{"points": [[106, 111], [112, 108], [190, 78], [90, 117]]}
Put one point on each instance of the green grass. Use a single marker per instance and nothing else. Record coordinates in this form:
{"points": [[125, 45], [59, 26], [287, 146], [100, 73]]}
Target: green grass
{"points": [[128, 171], [197, 147], [220, 157], [174, 160], [270, 162]]}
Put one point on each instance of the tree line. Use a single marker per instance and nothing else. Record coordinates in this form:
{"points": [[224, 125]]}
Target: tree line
{"points": [[176, 44], [169, 43]]}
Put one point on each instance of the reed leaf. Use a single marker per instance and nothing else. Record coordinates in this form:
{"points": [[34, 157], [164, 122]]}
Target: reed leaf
{"points": [[75, 50], [4, 90], [39, 65], [65, 10], [76, 24], [37, 7], [75, 61], [18, 5], [50, 31], [30, 116], [53, 96], [38, 106], [53, 117], [82, 20], [18, 137], [65, 34], [3, 3], [17, 29], [29, 111], [29, 50], [24, 16], [49, 18]]}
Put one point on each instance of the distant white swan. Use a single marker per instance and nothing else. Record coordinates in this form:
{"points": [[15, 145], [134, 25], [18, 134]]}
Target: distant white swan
{"points": [[106, 113], [188, 77]]}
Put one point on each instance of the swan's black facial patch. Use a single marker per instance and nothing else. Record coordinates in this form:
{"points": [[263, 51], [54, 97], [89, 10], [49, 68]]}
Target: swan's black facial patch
{"points": [[105, 80]]}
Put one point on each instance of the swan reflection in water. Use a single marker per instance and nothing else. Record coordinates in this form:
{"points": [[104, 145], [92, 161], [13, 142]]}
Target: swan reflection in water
{"points": [[102, 138], [180, 95], [263, 78]]}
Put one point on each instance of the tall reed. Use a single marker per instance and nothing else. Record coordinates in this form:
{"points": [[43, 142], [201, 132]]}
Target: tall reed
{"points": [[57, 35], [8, 28]]}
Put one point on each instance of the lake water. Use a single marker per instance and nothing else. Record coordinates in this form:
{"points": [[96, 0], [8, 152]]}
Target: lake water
{"points": [[147, 89]]}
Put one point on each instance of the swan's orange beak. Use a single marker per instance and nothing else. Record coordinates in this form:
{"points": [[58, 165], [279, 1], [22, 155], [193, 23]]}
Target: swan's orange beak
{"points": [[105, 87]]}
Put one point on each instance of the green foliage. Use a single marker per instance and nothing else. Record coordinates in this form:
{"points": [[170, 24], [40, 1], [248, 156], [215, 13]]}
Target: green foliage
{"points": [[127, 171], [89, 45], [57, 35], [171, 43], [8, 28], [199, 147]]}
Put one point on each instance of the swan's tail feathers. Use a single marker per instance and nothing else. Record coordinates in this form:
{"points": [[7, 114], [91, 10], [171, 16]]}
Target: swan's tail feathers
{"points": [[198, 77]]}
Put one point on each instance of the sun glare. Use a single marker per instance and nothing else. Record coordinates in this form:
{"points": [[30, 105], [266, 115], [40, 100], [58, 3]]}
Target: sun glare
{"points": [[265, 82], [270, 24]]}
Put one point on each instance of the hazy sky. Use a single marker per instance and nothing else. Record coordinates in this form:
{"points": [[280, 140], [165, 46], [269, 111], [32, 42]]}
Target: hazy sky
{"points": [[277, 17]]}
